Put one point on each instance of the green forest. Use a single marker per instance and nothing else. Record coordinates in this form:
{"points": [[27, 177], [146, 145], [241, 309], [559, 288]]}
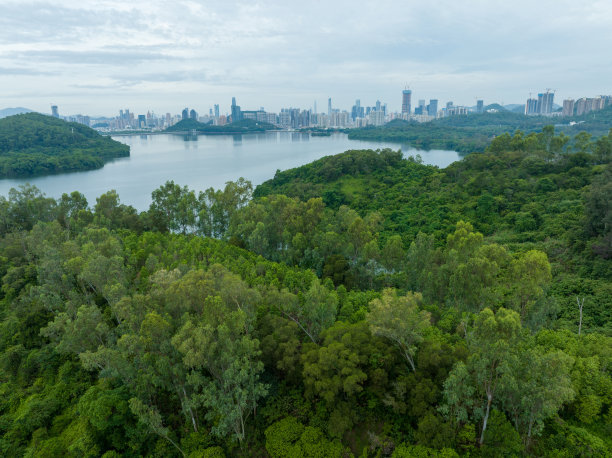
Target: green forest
{"points": [[363, 305], [473, 132], [33, 144], [243, 126]]}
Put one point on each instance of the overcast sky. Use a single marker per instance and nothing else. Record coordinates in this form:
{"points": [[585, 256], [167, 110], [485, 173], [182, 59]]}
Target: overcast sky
{"points": [[95, 57]]}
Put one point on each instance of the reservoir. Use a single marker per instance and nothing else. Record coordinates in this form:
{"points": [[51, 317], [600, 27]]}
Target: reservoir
{"points": [[205, 161]]}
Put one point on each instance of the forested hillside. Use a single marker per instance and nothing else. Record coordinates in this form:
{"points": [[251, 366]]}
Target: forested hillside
{"points": [[34, 144], [363, 305]]}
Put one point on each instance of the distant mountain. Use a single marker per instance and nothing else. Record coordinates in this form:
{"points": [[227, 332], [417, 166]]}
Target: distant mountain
{"points": [[13, 111], [515, 107]]}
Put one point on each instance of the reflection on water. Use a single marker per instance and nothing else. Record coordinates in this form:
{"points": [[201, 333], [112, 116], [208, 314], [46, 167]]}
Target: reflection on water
{"points": [[202, 161]]}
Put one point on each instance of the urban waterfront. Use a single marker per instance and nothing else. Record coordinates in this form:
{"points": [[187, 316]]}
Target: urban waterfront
{"points": [[203, 161]]}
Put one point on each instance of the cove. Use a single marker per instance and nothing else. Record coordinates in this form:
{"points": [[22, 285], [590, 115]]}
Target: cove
{"points": [[205, 161]]}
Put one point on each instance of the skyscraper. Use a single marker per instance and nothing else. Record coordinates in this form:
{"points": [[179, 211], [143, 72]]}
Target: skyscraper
{"points": [[378, 105], [531, 107], [54, 111], [406, 96], [479, 106], [329, 107], [185, 114], [193, 115], [545, 102], [432, 108], [568, 107], [216, 110], [236, 113]]}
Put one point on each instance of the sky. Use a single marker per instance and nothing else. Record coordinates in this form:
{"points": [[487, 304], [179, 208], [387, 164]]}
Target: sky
{"points": [[96, 57]]}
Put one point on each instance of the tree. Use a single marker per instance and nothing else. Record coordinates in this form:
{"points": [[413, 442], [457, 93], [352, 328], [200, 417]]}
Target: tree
{"points": [[539, 384], [174, 208], [216, 344], [399, 319], [472, 387], [315, 313], [530, 275]]}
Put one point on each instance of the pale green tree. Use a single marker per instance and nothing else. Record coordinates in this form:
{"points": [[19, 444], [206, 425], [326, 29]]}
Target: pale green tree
{"points": [[399, 319]]}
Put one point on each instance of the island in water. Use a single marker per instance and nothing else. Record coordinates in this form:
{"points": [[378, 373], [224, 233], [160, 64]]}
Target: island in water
{"points": [[34, 144], [244, 126]]}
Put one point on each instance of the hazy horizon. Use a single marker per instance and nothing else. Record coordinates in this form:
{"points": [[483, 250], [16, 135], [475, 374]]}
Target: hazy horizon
{"points": [[98, 57]]}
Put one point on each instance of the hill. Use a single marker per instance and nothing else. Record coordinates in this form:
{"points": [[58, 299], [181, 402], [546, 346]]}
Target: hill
{"points": [[362, 305], [35, 144], [13, 111], [238, 127], [473, 132]]}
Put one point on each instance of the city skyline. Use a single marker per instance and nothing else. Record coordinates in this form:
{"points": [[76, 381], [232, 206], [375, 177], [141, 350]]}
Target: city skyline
{"points": [[96, 56]]}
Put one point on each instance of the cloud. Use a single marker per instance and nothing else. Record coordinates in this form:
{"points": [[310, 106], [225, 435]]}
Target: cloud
{"points": [[117, 57], [277, 53], [22, 71]]}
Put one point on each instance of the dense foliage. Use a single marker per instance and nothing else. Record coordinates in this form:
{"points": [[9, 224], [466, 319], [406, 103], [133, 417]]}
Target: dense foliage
{"points": [[362, 305], [239, 127], [34, 144], [470, 133]]}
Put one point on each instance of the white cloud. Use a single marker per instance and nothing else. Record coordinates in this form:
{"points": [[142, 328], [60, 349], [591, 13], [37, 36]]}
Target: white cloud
{"points": [[98, 56]]}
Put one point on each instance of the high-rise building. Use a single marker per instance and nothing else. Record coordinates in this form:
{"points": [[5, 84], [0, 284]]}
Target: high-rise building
{"points": [[568, 107], [432, 108], [185, 114], [545, 102], [216, 110], [236, 113], [480, 106], [54, 111], [142, 121], [378, 105], [531, 106], [406, 96], [193, 114], [357, 110], [329, 107]]}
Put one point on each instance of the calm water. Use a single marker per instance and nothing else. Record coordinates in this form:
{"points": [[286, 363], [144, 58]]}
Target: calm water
{"points": [[203, 161]]}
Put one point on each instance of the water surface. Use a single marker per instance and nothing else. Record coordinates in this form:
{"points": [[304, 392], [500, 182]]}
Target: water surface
{"points": [[205, 161]]}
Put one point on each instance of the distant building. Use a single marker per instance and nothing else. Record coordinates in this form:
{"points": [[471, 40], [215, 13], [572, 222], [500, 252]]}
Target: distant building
{"points": [[568, 107], [329, 107], [185, 114], [432, 108], [480, 106], [531, 106], [216, 110], [377, 117], [545, 102], [142, 121], [193, 115], [236, 113], [456, 110], [54, 111], [357, 110], [406, 101]]}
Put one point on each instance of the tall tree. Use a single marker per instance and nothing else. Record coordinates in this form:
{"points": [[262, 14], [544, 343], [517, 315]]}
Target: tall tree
{"points": [[473, 387], [399, 319]]}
